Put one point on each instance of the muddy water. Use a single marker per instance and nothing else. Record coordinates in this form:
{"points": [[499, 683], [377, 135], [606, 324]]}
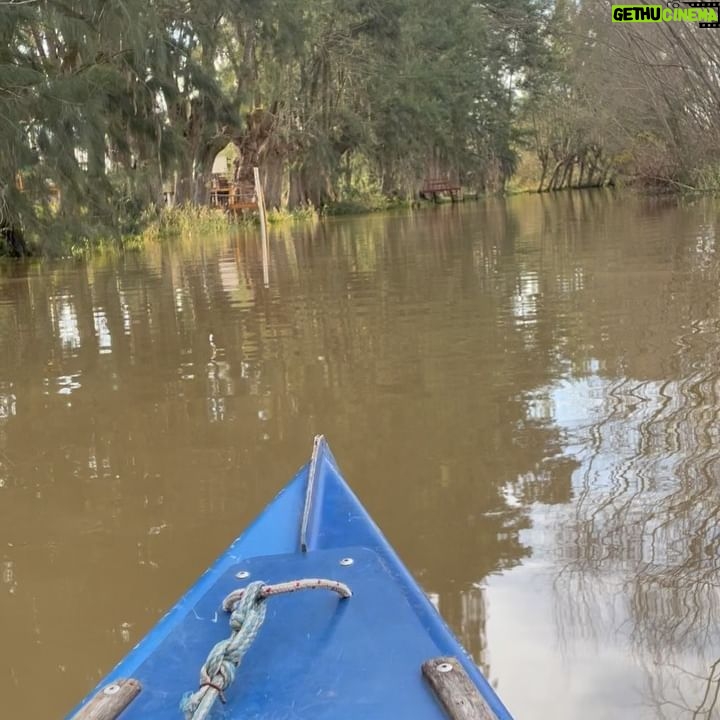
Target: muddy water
{"points": [[524, 393]]}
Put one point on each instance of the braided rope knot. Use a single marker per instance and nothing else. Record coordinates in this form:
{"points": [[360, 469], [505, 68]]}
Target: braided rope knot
{"points": [[247, 613], [218, 671]]}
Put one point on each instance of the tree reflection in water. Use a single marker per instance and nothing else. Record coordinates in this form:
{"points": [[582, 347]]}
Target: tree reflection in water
{"points": [[640, 549]]}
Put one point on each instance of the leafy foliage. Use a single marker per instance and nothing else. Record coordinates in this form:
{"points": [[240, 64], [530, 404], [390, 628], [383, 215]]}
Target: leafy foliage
{"points": [[641, 103], [107, 105]]}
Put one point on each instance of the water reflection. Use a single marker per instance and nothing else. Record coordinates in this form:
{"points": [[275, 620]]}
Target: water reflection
{"points": [[645, 524], [67, 384], [523, 392], [636, 552], [8, 402], [220, 382], [525, 300], [102, 331], [64, 318]]}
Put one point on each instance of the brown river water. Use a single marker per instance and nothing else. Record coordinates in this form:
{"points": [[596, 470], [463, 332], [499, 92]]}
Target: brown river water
{"points": [[525, 393]]}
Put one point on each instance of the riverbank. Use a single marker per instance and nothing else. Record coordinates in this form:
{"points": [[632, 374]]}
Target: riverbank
{"points": [[189, 220]]}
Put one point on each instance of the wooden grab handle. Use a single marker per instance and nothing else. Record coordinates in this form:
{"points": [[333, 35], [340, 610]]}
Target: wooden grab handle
{"points": [[110, 701], [455, 690]]}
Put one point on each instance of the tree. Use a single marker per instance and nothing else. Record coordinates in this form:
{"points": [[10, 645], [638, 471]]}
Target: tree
{"points": [[108, 105]]}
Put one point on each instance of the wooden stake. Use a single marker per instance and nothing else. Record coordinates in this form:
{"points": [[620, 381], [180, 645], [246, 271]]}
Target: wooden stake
{"points": [[263, 226], [108, 703]]}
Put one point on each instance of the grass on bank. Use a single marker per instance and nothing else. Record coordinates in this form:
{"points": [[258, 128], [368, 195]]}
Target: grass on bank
{"points": [[173, 222], [188, 219]]}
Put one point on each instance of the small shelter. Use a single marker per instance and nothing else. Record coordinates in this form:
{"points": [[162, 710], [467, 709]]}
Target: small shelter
{"points": [[226, 190]]}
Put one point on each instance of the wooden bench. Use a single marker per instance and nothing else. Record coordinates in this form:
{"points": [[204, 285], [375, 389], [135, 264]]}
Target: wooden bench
{"points": [[434, 187]]}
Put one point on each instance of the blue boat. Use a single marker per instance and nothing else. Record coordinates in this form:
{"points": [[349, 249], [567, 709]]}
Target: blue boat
{"points": [[326, 623]]}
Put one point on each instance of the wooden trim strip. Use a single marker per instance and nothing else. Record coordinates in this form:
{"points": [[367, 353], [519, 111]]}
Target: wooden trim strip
{"points": [[108, 703], [455, 690]]}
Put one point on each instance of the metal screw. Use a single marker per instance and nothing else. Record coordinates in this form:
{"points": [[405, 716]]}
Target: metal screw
{"points": [[111, 690], [444, 667], [347, 561], [242, 574]]}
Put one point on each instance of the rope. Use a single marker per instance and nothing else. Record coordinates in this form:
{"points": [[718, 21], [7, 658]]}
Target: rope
{"points": [[247, 616]]}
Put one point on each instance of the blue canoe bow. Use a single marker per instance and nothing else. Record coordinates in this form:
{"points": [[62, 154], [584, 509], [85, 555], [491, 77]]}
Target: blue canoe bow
{"points": [[316, 656]]}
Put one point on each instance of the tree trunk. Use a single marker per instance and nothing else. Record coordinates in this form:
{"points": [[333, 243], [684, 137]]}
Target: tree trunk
{"points": [[296, 195], [348, 171], [543, 174], [552, 185], [273, 179], [13, 235], [543, 164], [571, 173]]}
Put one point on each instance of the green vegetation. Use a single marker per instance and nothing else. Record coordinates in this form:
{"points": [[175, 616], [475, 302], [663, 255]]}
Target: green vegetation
{"points": [[110, 108], [625, 104], [170, 222], [107, 107]]}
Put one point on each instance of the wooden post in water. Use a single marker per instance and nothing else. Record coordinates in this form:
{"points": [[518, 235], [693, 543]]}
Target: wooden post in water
{"points": [[263, 226]]}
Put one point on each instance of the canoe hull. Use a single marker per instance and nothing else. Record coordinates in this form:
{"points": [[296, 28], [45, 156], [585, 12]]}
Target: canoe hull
{"points": [[316, 656]]}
